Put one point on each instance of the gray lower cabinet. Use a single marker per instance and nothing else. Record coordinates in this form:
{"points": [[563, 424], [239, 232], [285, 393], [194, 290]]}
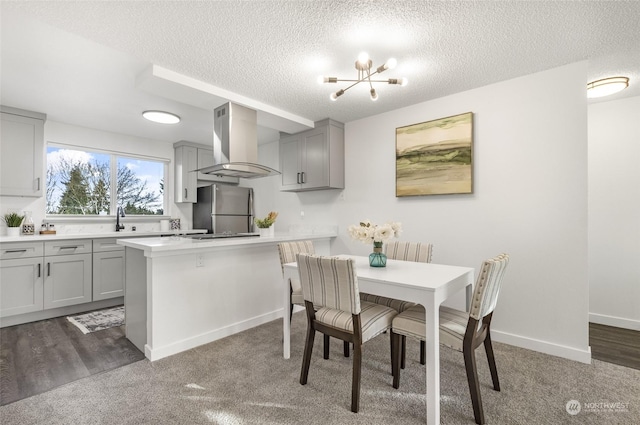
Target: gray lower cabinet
{"points": [[21, 278], [21, 286], [67, 276], [67, 280], [108, 269]]}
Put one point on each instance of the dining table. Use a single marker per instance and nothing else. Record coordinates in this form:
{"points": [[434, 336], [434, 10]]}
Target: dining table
{"points": [[428, 284]]}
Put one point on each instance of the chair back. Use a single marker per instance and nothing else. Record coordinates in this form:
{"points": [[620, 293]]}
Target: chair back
{"points": [[409, 251], [485, 295], [288, 251], [329, 282]]}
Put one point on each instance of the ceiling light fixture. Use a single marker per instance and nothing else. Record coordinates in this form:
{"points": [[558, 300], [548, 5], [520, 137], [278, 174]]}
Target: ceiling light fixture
{"points": [[606, 86], [364, 65], [161, 117]]}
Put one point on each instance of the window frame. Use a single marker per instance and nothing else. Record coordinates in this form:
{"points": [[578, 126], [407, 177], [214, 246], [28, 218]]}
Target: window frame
{"points": [[113, 167]]}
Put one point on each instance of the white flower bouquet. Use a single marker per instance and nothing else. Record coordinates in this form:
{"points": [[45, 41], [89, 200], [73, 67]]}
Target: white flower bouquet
{"points": [[367, 232]]}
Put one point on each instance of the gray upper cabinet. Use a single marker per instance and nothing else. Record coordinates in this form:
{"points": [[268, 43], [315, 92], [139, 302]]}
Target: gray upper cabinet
{"points": [[313, 159], [190, 157], [22, 146], [186, 161]]}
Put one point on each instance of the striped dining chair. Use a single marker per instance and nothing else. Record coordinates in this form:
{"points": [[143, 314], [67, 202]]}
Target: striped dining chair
{"points": [[288, 252], [460, 330], [332, 301], [405, 251]]}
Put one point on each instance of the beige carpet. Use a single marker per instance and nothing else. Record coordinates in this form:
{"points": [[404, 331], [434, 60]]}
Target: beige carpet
{"points": [[243, 379]]}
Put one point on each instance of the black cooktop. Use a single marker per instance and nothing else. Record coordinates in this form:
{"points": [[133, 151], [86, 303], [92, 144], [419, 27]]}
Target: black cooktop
{"points": [[222, 235]]}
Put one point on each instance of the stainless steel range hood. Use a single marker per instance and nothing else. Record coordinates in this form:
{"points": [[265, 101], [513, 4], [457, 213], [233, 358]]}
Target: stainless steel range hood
{"points": [[235, 144]]}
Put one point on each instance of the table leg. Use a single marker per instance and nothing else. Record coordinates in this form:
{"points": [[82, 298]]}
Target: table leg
{"points": [[433, 359], [286, 323]]}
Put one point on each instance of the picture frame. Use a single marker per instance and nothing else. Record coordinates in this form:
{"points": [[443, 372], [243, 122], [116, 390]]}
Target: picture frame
{"points": [[435, 157]]}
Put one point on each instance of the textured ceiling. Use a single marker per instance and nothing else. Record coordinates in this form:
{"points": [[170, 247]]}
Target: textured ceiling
{"points": [[85, 59]]}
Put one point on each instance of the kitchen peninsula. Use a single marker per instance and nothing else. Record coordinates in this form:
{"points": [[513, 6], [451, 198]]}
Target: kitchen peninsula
{"points": [[182, 292]]}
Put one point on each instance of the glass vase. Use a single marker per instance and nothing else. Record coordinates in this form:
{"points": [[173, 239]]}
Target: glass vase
{"points": [[377, 258]]}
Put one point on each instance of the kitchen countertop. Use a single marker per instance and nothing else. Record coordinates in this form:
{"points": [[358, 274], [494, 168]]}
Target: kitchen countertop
{"points": [[88, 235], [156, 247]]}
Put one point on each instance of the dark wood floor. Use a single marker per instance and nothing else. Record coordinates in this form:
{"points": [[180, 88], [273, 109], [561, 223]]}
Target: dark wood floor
{"points": [[615, 345], [37, 357]]}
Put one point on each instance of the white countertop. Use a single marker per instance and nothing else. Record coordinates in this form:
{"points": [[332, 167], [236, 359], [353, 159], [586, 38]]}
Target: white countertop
{"points": [[178, 245], [114, 234]]}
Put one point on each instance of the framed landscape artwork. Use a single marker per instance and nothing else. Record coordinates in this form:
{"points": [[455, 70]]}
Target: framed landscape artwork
{"points": [[435, 157]]}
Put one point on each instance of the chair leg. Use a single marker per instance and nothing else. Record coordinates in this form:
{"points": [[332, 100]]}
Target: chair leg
{"points": [[357, 370], [346, 348], [488, 347], [306, 358], [291, 313], [395, 356], [403, 351], [423, 353], [474, 385], [392, 347], [326, 346]]}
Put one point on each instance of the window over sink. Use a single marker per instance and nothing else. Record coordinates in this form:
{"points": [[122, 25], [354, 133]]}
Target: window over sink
{"points": [[84, 182]]}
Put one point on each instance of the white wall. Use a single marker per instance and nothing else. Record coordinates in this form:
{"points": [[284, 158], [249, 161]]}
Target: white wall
{"points": [[95, 139], [529, 200], [614, 213]]}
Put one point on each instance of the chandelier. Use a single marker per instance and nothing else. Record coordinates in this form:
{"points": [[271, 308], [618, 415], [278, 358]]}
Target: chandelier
{"points": [[364, 66]]}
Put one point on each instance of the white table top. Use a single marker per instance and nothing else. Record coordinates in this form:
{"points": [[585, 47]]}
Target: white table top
{"points": [[405, 273]]}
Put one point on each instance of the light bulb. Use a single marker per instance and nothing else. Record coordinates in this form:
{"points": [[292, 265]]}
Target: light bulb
{"points": [[390, 64], [337, 94], [363, 58], [403, 81], [321, 79], [374, 95]]}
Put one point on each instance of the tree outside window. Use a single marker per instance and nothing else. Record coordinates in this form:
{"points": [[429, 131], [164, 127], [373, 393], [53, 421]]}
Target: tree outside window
{"points": [[84, 183]]}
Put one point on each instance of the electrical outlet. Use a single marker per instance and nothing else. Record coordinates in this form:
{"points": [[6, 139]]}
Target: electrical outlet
{"points": [[199, 260]]}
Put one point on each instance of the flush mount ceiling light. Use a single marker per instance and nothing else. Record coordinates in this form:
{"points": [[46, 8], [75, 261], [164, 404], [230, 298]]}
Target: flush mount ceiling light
{"points": [[161, 117], [606, 86], [364, 65]]}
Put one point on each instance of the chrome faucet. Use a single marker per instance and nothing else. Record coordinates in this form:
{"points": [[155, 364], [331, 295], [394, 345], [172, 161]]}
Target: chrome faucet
{"points": [[119, 213]]}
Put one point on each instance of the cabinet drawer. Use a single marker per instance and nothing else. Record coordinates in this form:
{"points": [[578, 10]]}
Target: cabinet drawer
{"points": [[15, 250], [71, 246], [106, 244]]}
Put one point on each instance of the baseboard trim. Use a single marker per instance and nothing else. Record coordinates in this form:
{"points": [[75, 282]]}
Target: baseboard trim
{"points": [[618, 322], [158, 353], [582, 356]]}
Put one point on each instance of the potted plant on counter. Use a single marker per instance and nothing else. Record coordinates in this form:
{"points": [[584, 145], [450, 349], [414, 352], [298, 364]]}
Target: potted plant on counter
{"points": [[13, 220], [265, 225]]}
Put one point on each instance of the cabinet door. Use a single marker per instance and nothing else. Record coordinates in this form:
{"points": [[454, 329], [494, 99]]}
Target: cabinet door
{"points": [[108, 275], [67, 280], [290, 162], [186, 161], [315, 159], [21, 286], [21, 162]]}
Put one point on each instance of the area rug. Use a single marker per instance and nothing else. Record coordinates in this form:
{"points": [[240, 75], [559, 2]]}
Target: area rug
{"points": [[98, 320]]}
